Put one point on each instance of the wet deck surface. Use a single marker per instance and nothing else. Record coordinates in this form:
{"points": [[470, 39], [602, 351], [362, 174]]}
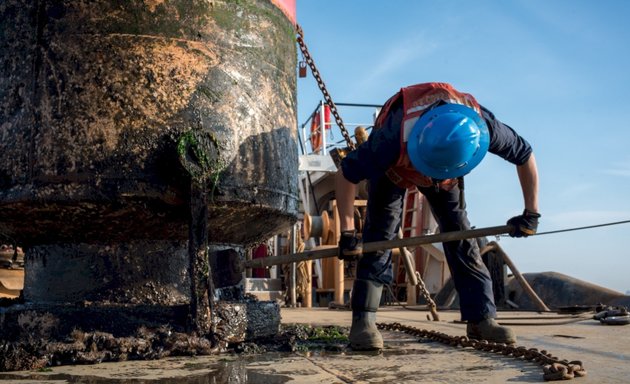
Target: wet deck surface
{"points": [[604, 351]]}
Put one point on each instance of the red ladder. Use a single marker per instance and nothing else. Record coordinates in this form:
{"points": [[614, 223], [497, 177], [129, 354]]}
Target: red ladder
{"points": [[410, 227]]}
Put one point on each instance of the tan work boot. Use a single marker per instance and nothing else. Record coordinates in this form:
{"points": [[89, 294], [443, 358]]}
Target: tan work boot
{"points": [[489, 330], [366, 296]]}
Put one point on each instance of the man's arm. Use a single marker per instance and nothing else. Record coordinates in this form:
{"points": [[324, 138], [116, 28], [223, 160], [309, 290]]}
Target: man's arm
{"points": [[370, 159], [528, 177], [527, 224], [345, 192]]}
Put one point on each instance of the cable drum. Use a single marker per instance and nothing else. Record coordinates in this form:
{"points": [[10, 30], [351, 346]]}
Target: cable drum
{"points": [[316, 226]]}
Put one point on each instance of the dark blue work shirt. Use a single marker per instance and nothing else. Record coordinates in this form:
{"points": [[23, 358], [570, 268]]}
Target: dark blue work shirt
{"points": [[382, 149]]}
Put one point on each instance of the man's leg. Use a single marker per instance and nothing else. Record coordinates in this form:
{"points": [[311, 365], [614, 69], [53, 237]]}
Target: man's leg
{"points": [[469, 273], [374, 269]]}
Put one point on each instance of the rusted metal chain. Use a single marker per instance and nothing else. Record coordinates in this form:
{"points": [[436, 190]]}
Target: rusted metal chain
{"points": [[427, 297], [553, 367], [322, 87], [415, 278]]}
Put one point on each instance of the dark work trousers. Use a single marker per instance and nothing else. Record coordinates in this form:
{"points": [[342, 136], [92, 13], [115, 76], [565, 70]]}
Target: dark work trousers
{"points": [[470, 275]]}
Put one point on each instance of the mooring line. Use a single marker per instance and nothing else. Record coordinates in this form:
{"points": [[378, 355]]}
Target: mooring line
{"points": [[578, 228]]}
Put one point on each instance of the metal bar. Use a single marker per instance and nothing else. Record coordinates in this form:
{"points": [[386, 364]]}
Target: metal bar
{"points": [[293, 291], [359, 105], [526, 287], [331, 250]]}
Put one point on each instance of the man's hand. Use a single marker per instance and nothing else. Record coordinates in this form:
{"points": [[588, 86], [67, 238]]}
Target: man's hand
{"points": [[525, 224], [350, 245]]}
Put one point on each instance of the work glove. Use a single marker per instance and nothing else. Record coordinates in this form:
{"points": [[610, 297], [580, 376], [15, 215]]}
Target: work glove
{"points": [[350, 245], [525, 224]]}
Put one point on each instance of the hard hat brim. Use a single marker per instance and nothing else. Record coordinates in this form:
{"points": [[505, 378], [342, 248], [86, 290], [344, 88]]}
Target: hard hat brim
{"points": [[413, 143]]}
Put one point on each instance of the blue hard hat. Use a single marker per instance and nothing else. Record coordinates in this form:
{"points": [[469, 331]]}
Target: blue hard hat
{"points": [[448, 141]]}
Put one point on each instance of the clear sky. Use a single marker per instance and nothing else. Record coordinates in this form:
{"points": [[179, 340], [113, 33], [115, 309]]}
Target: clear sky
{"points": [[558, 72]]}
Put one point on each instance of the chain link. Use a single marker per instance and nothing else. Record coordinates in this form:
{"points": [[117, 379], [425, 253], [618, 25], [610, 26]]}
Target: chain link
{"points": [[553, 367], [322, 87], [427, 297]]}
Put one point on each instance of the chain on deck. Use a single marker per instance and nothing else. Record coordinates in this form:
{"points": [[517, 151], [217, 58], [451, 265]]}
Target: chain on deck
{"points": [[553, 367]]}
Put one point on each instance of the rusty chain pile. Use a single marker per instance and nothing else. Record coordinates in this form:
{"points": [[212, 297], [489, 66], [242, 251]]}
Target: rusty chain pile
{"points": [[333, 108], [553, 367]]}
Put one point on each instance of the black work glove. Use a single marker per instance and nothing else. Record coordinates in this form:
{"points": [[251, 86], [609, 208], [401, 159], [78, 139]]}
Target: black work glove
{"points": [[525, 224], [350, 245]]}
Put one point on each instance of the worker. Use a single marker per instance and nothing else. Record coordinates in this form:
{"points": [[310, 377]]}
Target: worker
{"points": [[428, 136]]}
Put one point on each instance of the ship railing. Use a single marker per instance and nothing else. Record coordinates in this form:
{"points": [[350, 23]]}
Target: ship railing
{"points": [[317, 158], [315, 162]]}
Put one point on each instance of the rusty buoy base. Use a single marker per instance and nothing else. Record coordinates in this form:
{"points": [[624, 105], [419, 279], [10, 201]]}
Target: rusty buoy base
{"points": [[133, 272], [88, 303], [34, 336]]}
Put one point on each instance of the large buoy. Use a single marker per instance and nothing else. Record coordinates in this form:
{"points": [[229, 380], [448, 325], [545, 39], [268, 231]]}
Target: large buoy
{"points": [[109, 110]]}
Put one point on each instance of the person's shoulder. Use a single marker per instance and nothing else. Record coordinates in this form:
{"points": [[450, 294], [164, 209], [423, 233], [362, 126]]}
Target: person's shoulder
{"points": [[486, 113]]}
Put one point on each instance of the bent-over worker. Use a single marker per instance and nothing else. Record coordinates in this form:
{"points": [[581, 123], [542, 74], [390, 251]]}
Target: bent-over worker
{"points": [[428, 136]]}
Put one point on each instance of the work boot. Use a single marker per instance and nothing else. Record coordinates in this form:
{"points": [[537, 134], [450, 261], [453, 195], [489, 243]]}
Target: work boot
{"points": [[366, 297], [489, 330]]}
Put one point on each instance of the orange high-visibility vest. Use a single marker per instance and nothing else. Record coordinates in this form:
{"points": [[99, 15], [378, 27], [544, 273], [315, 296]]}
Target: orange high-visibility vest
{"points": [[416, 99]]}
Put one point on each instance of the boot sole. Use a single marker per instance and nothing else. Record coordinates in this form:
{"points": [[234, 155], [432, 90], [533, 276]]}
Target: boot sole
{"points": [[366, 347]]}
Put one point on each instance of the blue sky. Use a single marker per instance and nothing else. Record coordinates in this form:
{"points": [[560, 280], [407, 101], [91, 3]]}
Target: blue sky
{"points": [[555, 71]]}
